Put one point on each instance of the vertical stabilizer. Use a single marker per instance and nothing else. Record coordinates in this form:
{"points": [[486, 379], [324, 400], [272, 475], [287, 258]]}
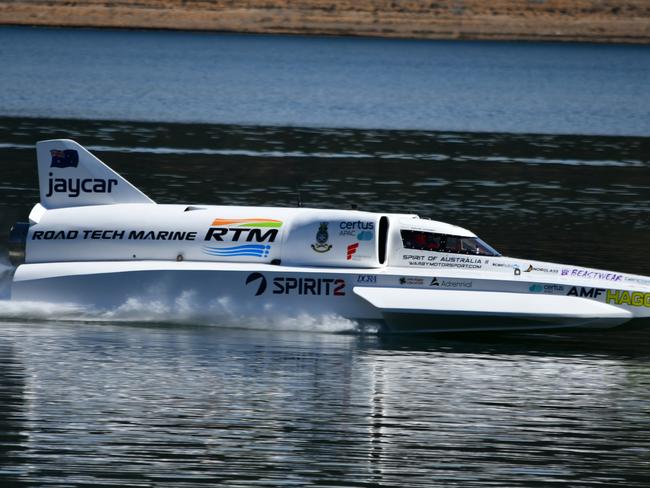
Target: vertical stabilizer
{"points": [[70, 176]]}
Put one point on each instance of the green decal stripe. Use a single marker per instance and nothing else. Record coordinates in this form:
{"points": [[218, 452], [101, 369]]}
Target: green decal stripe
{"points": [[261, 224]]}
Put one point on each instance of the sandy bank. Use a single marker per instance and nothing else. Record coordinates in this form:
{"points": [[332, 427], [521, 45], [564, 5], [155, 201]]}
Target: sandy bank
{"points": [[558, 20]]}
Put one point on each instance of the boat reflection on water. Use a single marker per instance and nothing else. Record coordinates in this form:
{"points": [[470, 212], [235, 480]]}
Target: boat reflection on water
{"points": [[14, 414], [231, 405]]}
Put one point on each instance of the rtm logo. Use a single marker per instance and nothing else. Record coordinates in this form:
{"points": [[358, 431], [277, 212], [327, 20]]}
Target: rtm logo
{"points": [[248, 230], [586, 292]]}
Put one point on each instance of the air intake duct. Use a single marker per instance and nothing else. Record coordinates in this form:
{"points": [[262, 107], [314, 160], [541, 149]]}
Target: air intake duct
{"points": [[17, 240]]}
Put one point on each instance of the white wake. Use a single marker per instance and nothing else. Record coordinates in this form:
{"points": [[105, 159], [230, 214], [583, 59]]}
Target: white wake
{"points": [[182, 309]]}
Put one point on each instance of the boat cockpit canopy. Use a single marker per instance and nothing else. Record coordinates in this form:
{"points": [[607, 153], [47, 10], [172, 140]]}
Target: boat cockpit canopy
{"points": [[435, 242]]}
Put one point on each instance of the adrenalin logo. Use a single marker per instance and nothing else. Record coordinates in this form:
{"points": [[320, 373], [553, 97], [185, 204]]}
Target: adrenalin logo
{"points": [[252, 250], [249, 230]]}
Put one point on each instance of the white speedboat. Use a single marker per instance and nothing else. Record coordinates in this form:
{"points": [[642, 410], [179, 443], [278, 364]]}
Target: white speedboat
{"points": [[96, 240]]}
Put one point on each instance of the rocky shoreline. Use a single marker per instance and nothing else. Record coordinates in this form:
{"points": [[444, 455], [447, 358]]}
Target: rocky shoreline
{"points": [[538, 20]]}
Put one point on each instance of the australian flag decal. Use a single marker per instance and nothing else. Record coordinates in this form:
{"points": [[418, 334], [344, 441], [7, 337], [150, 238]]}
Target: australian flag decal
{"points": [[68, 158]]}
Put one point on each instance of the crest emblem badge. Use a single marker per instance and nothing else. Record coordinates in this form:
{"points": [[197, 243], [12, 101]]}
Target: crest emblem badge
{"points": [[322, 236]]}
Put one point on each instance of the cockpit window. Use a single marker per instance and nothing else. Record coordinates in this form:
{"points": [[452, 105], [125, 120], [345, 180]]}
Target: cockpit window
{"points": [[430, 241]]}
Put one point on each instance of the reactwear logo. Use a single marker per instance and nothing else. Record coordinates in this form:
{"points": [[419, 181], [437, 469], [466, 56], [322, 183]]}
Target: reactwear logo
{"points": [[261, 288], [67, 158]]}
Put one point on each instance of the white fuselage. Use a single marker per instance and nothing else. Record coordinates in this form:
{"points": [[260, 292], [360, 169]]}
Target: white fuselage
{"points": [[408, 273]]}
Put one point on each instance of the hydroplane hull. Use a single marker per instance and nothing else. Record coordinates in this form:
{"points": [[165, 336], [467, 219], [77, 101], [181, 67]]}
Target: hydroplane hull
{"points": [[97, 241], [398, 301]]}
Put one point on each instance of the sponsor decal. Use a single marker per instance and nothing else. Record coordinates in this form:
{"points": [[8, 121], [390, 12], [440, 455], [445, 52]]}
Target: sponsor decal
{"points": [[410, 280], [73, 187], [114, 235], [579, 291], [451, 283], [251, 250], [282, 285], [366, 279], [441, 283], [641, 281], [255, 223], [554, 289], [596, 275], [66, 158], [352, 248], [548, 289], [443, 262], [261, 287], [322, 236], [633, 298], [498, 264], [353, 228], [456, 284], [49, 235], [458, 259], [309, 286], [161, 235], [540, 269], [248, 230]]}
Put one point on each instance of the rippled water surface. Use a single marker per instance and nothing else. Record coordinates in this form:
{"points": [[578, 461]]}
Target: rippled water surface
{"points": [[179, 406]]}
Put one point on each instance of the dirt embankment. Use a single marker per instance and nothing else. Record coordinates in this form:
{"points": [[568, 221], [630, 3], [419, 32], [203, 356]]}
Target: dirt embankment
{"points": [[564, 20]]}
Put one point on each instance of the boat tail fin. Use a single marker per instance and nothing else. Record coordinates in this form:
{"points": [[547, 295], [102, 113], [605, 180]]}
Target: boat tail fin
{"points": [[70, 176]]}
